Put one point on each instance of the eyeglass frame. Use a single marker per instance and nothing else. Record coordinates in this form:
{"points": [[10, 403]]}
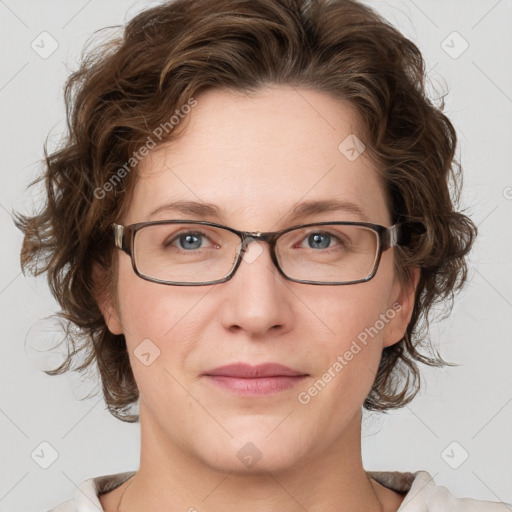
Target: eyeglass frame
{"points": [[396, 235]]}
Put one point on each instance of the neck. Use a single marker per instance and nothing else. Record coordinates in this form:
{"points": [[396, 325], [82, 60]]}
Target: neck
{"points": [[172, 478]]}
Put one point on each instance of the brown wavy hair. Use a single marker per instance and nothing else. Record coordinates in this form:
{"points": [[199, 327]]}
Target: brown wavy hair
{"points": [[130, 84]]}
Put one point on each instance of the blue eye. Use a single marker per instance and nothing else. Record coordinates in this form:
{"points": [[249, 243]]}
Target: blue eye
{"points": [[321, 240], [316, 238], [188, 239]]}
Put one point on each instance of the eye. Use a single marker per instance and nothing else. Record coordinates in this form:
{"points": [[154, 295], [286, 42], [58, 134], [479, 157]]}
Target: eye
{"points": [[321, 240], [188, 240]]}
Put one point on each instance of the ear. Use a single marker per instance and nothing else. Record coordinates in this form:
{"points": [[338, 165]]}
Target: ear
{"points": [[105, 301], [402, 303]]}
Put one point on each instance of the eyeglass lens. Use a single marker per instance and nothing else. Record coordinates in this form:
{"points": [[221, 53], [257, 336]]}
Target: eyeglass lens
{"points": [[200, 253]]}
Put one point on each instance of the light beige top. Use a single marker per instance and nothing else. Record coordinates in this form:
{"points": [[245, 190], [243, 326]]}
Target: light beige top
{"points": [[423, 495]]}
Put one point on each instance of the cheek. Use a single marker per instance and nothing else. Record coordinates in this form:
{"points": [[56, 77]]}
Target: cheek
{"points": [[162, 325], [349, 313], [348, 345], [149, 315], [149, 310], [347, 360], [154, 335]]}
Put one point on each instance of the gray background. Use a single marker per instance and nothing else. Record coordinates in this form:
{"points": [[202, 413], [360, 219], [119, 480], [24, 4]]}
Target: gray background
{"points": [[470, 405]]}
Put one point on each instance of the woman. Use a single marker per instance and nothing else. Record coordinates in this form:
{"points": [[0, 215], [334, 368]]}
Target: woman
{"points": [[249, 220]]}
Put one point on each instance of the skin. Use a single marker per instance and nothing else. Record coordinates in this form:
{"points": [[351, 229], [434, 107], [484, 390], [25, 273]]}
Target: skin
{"points": [[256, 156]]}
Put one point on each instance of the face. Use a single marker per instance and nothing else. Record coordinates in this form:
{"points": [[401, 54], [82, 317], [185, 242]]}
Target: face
{"points": [[255, 158]]}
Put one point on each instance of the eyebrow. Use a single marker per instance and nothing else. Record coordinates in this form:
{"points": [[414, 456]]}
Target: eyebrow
{"points": [[299, 211], [309, 208]]}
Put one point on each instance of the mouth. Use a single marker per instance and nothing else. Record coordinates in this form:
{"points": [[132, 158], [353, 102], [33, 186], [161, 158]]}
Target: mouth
{"points": [[246, 380]]}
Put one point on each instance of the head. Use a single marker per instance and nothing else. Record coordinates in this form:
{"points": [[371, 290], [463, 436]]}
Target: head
{"points": [[247, 106]]}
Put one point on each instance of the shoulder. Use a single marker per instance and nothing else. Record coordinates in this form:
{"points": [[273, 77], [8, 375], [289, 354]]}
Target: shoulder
{"points": [[67, 506], [89, 491], [423, 495]]}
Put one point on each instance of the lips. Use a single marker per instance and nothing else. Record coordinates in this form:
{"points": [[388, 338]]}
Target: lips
{"points": [[251, 381], [246, 371]]}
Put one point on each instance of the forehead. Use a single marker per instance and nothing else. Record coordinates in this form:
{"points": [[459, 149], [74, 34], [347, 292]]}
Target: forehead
{"points": [[256, 157]]}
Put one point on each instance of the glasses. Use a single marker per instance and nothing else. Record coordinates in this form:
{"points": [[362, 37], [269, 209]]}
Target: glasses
{"points": [[198, 253]]}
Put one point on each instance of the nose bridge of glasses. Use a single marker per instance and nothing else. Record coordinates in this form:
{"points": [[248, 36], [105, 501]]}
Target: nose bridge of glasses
{"points": [[257, 236]]}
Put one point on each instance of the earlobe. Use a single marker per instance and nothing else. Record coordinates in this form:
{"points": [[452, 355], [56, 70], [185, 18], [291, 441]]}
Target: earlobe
{"points": [[105, 302], [403, 305]]}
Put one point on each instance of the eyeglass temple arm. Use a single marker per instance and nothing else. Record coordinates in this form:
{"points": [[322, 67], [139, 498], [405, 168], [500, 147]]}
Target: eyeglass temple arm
{"points": [[400, 234], [120, 238]]}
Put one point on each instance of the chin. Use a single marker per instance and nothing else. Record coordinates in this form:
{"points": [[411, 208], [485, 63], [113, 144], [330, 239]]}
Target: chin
{"points": [[252, 452]]}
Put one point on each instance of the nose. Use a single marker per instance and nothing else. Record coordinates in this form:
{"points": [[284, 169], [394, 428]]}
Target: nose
{"points": [[257, 296]]}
